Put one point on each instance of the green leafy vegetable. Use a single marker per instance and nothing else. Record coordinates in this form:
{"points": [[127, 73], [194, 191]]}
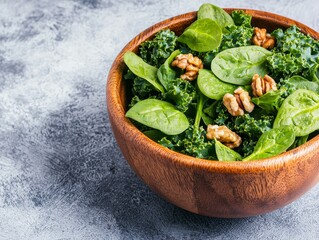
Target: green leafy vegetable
{"points": [[299, 110], [181, 93], [250, 127], [199, 110], [240, 34], [203, 35], [142, 87], [211, 86], [225, 153], [222, 18], [142, 69], [155, 135], [298, 82], [159, 115], [191, 142], [238, 65], [271, 101], [240, 18], [299, 141], [174, 112], [165, 73], [295, 52], [314, 73], [155, 51], [273, 142]]}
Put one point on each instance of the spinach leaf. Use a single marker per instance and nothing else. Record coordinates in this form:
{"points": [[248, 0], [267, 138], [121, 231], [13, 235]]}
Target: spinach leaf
{"points": [[206, 119], [273, 142], [211, 86], [271, 101], [238, 65], [142, 69], [203, 35], [159, 115], [199, 109], [165, 73], [299, 110], [314, 73], [298, 82], [215, 13], [225, 153]]}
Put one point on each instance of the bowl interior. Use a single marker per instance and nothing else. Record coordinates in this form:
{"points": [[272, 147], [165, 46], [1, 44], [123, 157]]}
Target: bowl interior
{"points": [[118, 91]]}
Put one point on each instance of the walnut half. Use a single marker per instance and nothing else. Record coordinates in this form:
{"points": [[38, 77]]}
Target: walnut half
{"points": [[263, 39], [190, 64], [224, 135], [238, 103], [261, 85]]}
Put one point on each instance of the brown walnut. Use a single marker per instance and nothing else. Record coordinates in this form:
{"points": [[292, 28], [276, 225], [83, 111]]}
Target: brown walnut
{"points": [[190, 64], [263, 85], [224, 135], [238, 103], [263, 39]]}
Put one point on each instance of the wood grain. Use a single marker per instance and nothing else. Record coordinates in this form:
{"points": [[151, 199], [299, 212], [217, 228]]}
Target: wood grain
{"points": [[212, 188]]}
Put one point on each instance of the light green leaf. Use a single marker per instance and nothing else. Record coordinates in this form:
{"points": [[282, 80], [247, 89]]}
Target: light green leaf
{"points": [[159, 115], [273, 142], [203, 35], [238, 65]]}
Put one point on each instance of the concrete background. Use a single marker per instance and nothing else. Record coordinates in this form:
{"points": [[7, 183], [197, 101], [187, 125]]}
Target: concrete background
{"points": [[62, 175]]}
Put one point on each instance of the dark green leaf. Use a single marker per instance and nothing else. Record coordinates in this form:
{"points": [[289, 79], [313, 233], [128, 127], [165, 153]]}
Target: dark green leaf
{"points": [[270, 101], [165, 73]]}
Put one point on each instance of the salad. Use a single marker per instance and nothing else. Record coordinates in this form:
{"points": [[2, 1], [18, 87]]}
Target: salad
{"points": [[225, 90]]}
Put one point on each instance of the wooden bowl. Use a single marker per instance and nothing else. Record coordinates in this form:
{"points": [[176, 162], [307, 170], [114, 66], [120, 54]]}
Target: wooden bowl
{"points": [[211, 188]]}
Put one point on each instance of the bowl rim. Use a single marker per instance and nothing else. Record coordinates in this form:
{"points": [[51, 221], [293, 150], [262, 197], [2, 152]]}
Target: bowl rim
{"points": [[116, 110]]}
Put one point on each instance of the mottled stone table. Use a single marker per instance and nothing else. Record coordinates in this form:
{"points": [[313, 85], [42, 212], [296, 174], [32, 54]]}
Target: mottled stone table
{"points": [[62, 175]]}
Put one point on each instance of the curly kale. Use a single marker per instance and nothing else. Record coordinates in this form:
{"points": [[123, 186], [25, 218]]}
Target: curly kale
{"points": [[157, 50], [191, 142], [241, 18], [295, 53], [142, 88], [249, 126], [181, 93]]}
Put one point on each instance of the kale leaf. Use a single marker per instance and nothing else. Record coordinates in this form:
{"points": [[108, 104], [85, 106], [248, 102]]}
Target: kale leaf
{"points": [[295, 53], [249, 126], [157, 50], [241, 18], [191, 142], [181, 93]]}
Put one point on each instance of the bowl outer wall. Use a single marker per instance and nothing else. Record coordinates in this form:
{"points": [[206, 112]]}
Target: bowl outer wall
{"points": [[211, 188]]}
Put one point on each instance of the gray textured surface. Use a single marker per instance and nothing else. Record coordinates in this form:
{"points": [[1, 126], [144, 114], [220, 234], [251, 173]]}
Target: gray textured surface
{"points": [[62, 175]]}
